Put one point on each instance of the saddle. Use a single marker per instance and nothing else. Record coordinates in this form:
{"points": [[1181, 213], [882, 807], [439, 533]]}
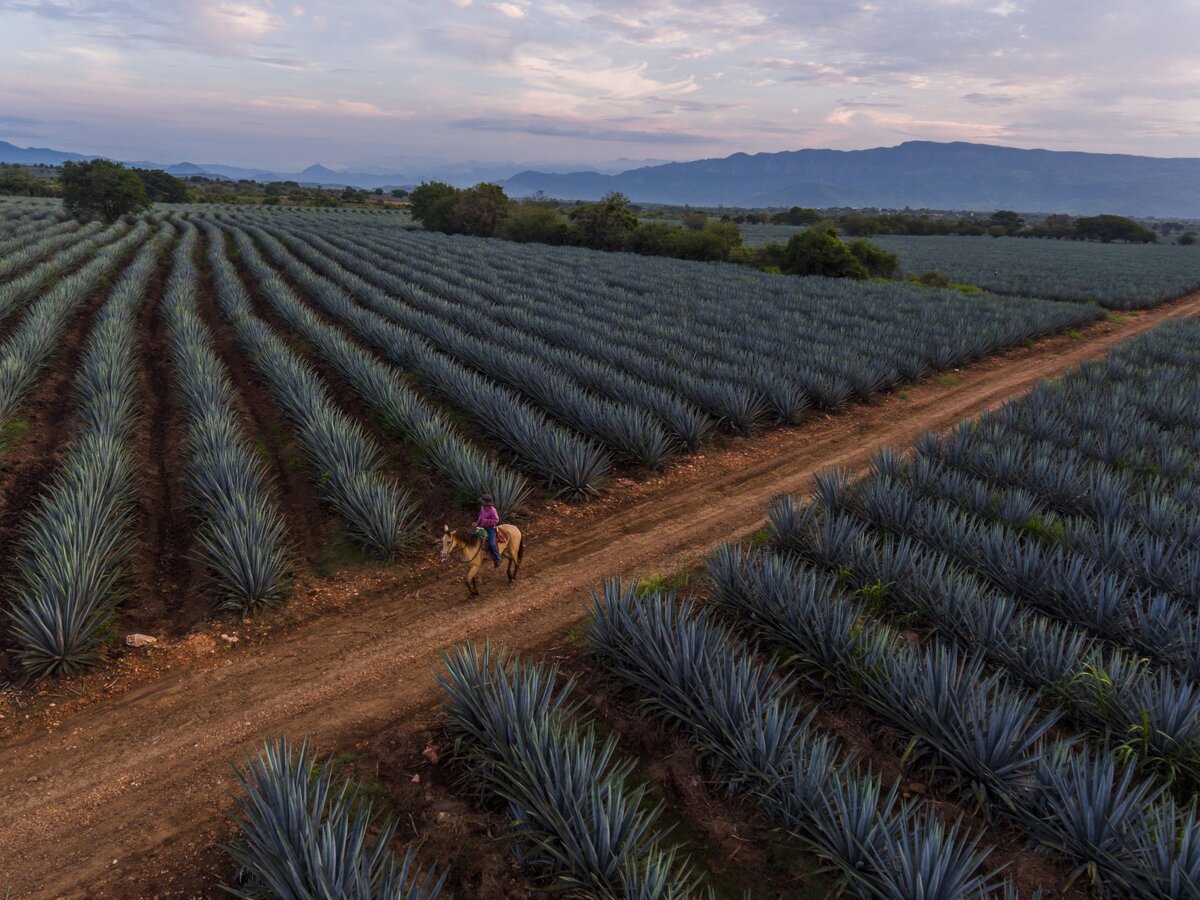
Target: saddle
{"points": [[501, 537]]}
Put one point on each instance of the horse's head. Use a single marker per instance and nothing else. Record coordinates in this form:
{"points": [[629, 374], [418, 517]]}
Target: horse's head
{"points": [[447, 542]]}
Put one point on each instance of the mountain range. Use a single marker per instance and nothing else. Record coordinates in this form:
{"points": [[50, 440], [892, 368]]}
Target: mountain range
{"points": [[916, 174], [369, 176]]}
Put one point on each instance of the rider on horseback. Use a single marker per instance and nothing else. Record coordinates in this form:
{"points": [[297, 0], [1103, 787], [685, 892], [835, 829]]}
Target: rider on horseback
{"points": [[488, 519]]}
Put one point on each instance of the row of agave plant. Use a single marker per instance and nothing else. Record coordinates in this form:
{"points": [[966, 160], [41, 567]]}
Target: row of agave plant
{"points": [[402, 412], [659, 354], [240, 526], [739, 711], [470, 312], [629, 431], [28, 218], [26, 285], [23, 248], [25, 353], [345, 461], [1099, 508], [1118, 276], [580, 823], [856, 339], [1102, 685], [1069, 576], [75, 543], [306, 834], [569, 464], [975, 721], [692, 391]]}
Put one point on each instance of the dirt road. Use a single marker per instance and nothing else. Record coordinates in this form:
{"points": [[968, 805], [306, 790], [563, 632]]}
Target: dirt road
{"points": [[140, 779]]}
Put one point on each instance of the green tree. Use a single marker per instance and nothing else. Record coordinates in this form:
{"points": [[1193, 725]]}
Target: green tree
{"points": [[877, 261], [858, 225], [479, 211], [695, 220], [432, 204], [1108, 228], [1010, 221], [651, 239], [534, 222], [1187, 238], [99, 187], [712, 244], [16, 181], [163, 187], [819, 251], [605, 225], [797, 215]]}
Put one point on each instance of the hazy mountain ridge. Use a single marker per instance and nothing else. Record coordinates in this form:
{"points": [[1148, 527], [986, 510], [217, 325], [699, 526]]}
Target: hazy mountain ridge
{"points": [[376, 176], [916, 174], [919, 174]]}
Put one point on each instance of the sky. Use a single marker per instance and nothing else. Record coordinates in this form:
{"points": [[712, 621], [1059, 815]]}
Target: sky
{"points": [[282, 84]]}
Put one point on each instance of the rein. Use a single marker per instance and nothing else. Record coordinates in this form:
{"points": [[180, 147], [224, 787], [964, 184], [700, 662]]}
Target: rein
{"points": [[473, 557]]}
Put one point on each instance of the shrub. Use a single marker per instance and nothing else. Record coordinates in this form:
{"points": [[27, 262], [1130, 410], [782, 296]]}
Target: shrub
{"points": [[821, 252], [875, 259]]}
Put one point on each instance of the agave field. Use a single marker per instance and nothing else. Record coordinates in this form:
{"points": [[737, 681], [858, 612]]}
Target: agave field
{"points": [[1118, 276], [1013, 605], [195, 405]]}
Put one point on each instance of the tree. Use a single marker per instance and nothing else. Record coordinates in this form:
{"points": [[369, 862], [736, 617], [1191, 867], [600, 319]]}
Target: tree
{"points": [[1007, 219], [877, 261], [695, 220], [163, 187], [819, 251], [16, 181], [712, 244], [534, 222], [479, 211], [797, 215], [605, 225], [858, 225], [399, 193], [651, 239], [1108, 228], [432, 202], [1187, 238], [99, 187]]}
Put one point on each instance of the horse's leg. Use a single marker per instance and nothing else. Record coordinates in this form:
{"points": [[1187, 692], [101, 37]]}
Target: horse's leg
{"points": [[514, 562], [473, 577]]}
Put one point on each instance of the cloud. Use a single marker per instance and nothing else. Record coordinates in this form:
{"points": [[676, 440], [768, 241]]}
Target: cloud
{"points": [[724, 75], [984, 99], [546, 126], [511, 10]]}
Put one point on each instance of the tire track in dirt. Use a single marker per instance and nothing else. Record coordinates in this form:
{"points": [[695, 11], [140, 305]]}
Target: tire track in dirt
{"points": [[143, 778], [265, 427]]}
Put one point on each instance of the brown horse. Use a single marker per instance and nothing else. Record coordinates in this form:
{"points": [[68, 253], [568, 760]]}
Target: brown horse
{"points": [[474, 551]]}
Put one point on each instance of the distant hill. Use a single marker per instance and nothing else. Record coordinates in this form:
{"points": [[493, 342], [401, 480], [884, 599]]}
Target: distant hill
{"points": [[313, 176], [918, 174], [386, 177], [37, 156]]}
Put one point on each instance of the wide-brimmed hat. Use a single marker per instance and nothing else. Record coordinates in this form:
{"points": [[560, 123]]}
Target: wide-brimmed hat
{"points": [[486, 498]]}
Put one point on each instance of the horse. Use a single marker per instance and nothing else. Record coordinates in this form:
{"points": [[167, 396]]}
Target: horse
{"points": [[474, 551]]}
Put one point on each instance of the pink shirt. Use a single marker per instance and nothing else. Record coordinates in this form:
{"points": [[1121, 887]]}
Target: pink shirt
{"points": [[487, 518]]}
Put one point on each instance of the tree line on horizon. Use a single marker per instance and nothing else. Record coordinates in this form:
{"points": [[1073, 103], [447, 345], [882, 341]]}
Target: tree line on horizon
{"points": [[109, 189], [612, 224]]}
